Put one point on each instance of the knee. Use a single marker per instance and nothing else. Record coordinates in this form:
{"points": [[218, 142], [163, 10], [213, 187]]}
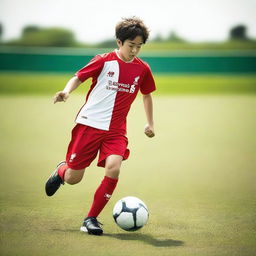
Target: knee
{"points": [[113, 170]]}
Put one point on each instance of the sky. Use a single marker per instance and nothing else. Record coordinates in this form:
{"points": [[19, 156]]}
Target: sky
{"points": [[95, 20]]}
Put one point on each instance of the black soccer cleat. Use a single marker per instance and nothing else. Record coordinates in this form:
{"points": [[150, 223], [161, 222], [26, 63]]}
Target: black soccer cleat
{"points": [[54, 181], [92, 226]]}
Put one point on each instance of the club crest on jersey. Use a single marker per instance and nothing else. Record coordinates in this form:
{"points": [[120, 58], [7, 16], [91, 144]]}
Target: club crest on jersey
{"points": [[132, 89], [110, 74], [136, 79]]}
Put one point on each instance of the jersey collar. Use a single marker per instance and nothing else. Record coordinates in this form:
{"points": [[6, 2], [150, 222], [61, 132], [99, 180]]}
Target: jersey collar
{"points": [[117, 54]]}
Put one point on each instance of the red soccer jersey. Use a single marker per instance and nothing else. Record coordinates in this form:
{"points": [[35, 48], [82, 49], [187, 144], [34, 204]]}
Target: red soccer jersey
{"points": [[114, 87]]}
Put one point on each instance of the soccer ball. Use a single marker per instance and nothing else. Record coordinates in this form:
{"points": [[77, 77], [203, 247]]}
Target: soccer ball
{"points": [[130, 213]]}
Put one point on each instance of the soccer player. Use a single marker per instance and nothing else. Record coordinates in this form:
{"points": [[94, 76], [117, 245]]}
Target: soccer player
{"points": [[101, 122]]}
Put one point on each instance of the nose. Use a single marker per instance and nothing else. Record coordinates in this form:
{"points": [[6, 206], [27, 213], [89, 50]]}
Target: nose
{"points": [[134, 50]]}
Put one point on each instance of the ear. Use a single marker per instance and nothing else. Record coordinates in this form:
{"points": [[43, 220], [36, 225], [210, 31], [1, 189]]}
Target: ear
{"points": [[119, 43]]}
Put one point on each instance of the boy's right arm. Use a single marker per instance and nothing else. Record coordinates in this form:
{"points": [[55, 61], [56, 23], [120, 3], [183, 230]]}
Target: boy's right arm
{"points": [[72, 84]]}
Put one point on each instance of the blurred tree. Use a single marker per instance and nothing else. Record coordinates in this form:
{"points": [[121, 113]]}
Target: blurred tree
{"points": [[30, 29], [107, 44], [173, 37], [36, 36], [238, 33], [1, 31], [158, 38]]}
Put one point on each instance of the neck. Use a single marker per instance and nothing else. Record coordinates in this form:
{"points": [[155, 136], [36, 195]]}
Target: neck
{"points": [[120, 56]]}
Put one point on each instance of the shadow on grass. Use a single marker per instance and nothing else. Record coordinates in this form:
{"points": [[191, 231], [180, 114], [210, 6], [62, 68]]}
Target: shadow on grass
{"points": [[66, 230], [148, 239]]}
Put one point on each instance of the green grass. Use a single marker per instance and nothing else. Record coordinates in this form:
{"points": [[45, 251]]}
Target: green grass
{"points": [[197, 177], [41, 83], [202, 46]]}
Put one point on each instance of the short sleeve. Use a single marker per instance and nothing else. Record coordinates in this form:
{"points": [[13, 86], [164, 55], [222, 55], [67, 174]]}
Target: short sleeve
{"points": [[148, 83], [92, 69]]}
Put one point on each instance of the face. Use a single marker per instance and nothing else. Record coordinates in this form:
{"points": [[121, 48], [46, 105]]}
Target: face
{"points": [[129, 48]]}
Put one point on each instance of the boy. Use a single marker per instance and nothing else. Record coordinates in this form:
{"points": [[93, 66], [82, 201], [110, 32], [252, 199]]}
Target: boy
{"points": [[101, 123]]}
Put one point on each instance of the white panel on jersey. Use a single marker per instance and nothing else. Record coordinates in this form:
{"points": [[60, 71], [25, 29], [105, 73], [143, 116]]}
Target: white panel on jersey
{"points": [[97, 112]]}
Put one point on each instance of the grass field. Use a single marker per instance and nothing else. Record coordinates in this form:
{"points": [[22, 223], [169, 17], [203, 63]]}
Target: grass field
{"points": [[41, 83], [197, 177], [228, 45]]}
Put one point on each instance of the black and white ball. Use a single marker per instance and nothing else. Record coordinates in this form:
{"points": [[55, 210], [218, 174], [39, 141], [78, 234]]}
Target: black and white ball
{"points": [[130, 213]]}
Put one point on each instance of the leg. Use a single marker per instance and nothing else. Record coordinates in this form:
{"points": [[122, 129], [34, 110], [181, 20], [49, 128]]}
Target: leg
{"points": [[73, 176], [62, 174], [82, 150], [107, 186], [113, 164], [113, 151], [103, 194]]}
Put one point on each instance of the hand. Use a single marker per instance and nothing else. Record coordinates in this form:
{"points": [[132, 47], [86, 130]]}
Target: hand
{"points": [[149, 131], [60, 96]]}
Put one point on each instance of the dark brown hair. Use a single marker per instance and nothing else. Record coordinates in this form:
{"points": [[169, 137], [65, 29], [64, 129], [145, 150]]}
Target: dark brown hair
{"points": [[129, 28]]}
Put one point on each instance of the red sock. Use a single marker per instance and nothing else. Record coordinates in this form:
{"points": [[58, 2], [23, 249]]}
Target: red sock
{"points": [[102, 196], [61, 171]]}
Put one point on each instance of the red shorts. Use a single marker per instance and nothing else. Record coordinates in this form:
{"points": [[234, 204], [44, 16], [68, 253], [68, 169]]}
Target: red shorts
{"points": [[87, 141]]}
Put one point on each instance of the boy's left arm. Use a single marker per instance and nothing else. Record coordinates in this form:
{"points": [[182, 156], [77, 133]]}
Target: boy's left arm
{"points": [[148, 106]]}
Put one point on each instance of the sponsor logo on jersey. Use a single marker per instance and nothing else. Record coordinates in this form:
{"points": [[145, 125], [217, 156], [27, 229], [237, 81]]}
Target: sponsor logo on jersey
{"points": [[110, 74], [121, 87]]}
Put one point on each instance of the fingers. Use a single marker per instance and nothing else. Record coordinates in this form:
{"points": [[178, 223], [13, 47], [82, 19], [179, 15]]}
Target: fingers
{"points": [[150, 134], [60, 96], [55, 99]]}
